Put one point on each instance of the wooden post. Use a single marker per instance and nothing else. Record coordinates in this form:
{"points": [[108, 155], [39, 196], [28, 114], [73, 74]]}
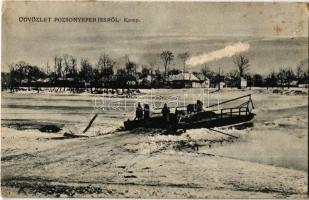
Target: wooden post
{"points": [[90, 123]]}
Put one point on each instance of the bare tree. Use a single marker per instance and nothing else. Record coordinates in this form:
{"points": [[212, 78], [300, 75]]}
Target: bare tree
{"points": [[48, 71], [285, 77], [290, 76], [70, 65], [86, 71], [302, 71], [104, 62], [66, 65], [232, 78], [271, 80], [184, 57], [74, 65], [131, 67], [58, 66], [167, 57], [207, 73], [145, 72], [70, 71], [15, 77], [26, 73], [152, 65], [242, 63], [105, 66], [299, 72]]}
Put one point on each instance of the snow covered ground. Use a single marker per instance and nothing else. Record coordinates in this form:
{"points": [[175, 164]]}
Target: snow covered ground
{"points": [[268, 160]]}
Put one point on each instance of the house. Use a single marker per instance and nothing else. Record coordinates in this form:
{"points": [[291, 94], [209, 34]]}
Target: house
{"points": [[148, 78], [205, 83], [304, 85], [146, 81], [24, 81], [294, 84], [46, 80], [221, 84], [243, 83], [186, 80], [70, 79]]}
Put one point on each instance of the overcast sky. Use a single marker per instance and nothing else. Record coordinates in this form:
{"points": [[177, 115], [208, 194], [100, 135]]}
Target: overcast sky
{"points": [[161, 26]]}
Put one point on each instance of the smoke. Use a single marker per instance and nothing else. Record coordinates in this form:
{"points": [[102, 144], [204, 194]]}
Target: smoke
{"points": [[227, 51]]}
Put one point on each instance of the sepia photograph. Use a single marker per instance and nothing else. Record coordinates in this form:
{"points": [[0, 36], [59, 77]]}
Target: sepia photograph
{"points": [[161, 100]]}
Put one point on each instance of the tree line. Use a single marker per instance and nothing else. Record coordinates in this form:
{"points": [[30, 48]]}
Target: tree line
{"points": [[285, 77], [66, 72]]}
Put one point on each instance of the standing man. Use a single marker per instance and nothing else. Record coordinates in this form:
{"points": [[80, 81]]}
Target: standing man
{"points": [[199, 106], [146, 112], [139, 112], [166, 114]]}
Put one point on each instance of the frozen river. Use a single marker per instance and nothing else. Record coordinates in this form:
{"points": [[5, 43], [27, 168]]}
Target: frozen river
{"points": [[270, 153]]}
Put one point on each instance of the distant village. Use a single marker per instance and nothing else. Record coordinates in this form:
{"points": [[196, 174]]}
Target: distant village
{"points": [[67, 74]]}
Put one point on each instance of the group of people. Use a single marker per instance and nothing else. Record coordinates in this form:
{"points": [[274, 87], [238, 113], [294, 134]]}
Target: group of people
{"points": [[142, 113]]}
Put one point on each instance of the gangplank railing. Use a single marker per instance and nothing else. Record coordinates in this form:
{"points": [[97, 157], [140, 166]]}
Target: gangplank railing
{"points": [[242, 109]]}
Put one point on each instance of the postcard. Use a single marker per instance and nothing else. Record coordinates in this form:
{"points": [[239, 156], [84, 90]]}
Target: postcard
{"points": [[169, 99]]}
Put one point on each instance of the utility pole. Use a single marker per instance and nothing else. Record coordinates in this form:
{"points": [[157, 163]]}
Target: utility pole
{"points": [[47, 67], [219, 79]]}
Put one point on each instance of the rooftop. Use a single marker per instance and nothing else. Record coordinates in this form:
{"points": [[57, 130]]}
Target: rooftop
{"points": [[183, 76]]}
